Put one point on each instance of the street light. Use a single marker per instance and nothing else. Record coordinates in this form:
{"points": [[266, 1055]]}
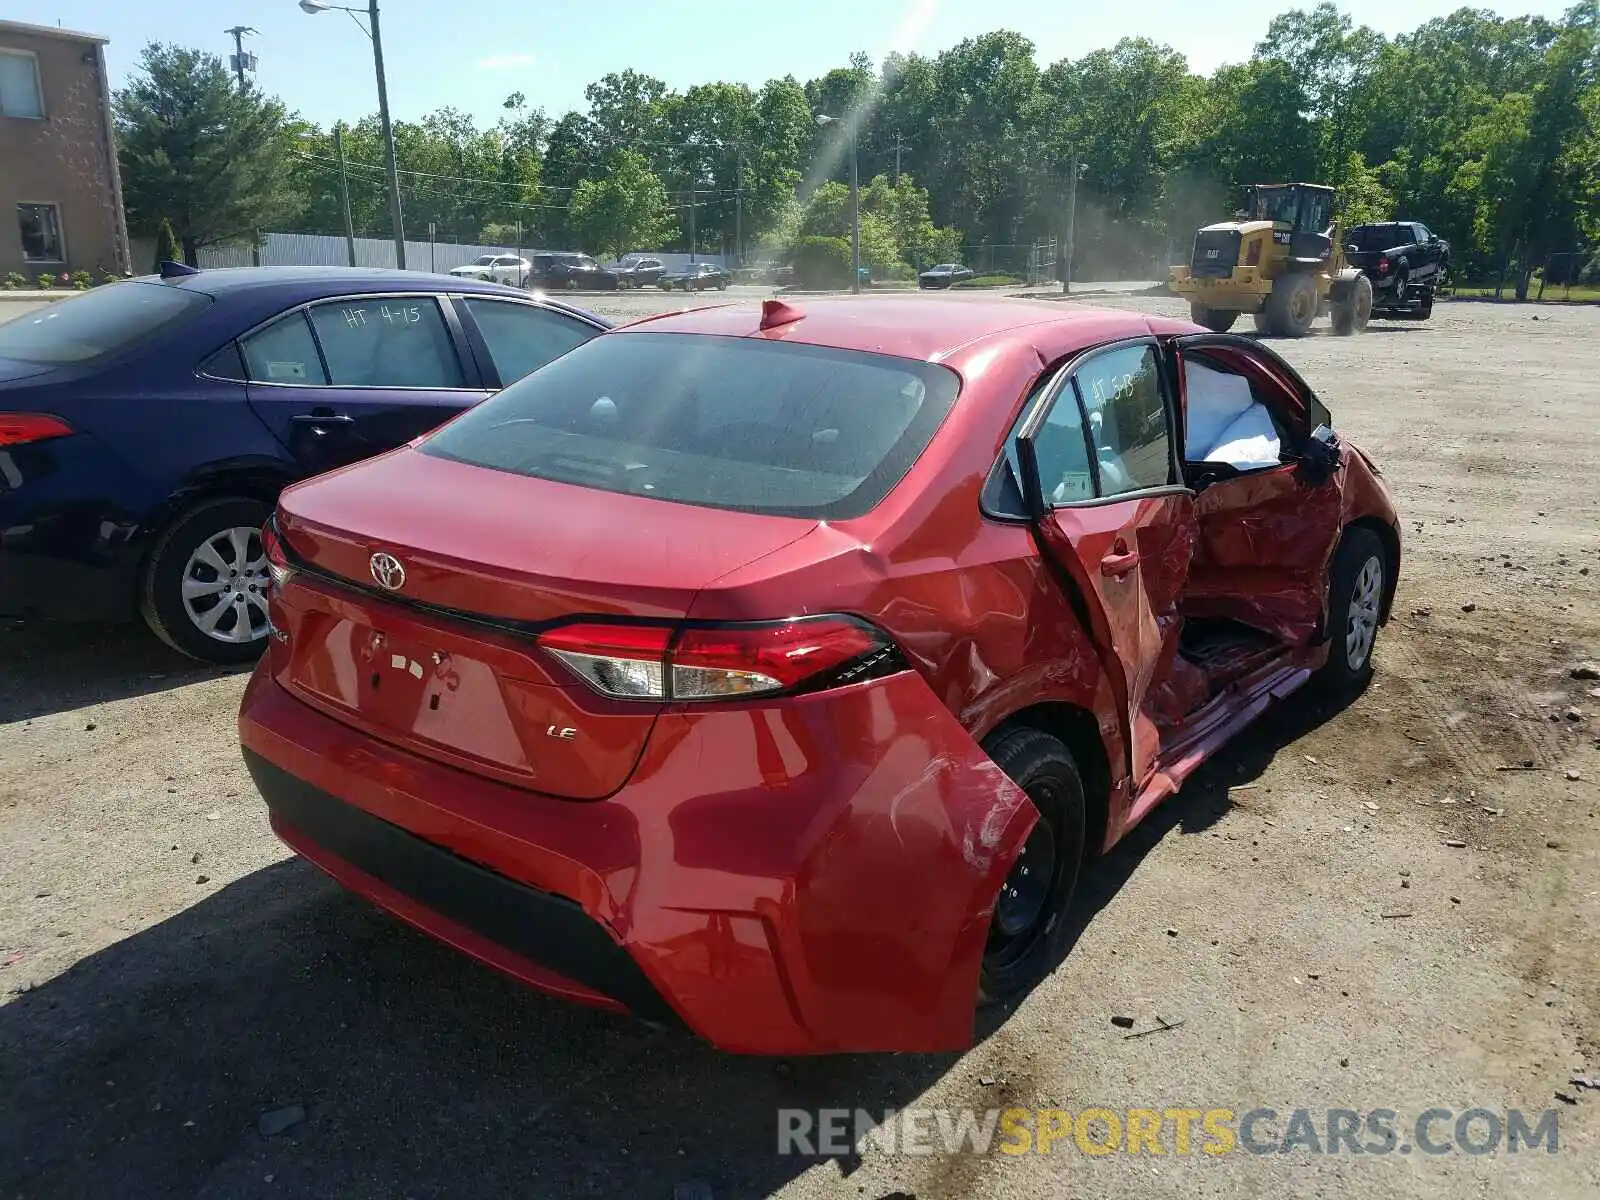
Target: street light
{"points": [[319, 6], [855, 202], [1074, 173]]}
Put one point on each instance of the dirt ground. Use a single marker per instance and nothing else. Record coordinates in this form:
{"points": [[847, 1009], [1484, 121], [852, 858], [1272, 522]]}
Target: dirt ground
{"points": [[1347, 909]]}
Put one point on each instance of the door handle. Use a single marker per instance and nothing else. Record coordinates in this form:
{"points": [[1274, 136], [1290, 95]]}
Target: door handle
{"points": [[322, 424], [1120, 561]]}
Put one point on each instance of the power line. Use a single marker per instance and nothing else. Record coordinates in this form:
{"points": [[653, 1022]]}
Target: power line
{"points": [[420, 189], [318, 158]]}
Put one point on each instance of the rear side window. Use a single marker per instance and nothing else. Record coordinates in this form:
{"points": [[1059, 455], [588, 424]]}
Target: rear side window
{"points": [[735, 423], [394, 342], [284, 352], [522, 338], [1125, 403], [98, 323], [1062, 453], [226, 363]]}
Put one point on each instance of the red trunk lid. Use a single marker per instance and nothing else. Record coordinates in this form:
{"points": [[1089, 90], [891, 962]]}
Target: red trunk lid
{"points": [[432, 667]]}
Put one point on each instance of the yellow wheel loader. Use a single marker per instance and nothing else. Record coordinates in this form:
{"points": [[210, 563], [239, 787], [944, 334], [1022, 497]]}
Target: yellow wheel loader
{"points": [[1279, 260]]}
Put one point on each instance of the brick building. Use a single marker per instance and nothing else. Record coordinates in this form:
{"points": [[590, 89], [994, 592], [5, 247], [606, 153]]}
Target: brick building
{"points": [[60, 190]]}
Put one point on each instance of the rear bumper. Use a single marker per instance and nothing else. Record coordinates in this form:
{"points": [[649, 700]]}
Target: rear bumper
{"points": [[1244, 289], [65, 557], [815, 876], [70, 509]]}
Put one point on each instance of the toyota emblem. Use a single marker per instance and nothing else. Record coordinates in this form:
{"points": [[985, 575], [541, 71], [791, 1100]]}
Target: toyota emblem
{"points": [[388, 571]]}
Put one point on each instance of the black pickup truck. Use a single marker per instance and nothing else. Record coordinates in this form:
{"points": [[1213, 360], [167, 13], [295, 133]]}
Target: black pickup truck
{"points": [[1406, 262]]}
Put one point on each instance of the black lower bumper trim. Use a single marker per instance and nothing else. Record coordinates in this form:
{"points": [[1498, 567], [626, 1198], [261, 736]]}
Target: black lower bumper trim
{"points": [[540, 926]]}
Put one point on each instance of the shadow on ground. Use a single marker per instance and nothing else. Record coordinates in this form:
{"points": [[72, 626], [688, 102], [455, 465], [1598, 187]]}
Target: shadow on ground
{"points": [[145, 1068], [51, 667], [1204, 799]]}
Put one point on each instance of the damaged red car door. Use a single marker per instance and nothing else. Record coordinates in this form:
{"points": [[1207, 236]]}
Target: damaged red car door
{"points": [[1266, 530], [1101, 475]]}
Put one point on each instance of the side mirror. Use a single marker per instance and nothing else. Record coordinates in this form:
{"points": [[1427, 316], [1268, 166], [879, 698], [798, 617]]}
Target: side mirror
{"points": [[1322, 455]]}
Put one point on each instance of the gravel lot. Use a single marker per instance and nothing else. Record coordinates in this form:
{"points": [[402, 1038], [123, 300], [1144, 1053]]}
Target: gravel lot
{"points": [[171, 978]]}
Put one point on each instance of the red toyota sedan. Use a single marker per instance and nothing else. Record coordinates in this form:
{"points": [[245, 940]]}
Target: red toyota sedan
{"points": [[775, 670]]}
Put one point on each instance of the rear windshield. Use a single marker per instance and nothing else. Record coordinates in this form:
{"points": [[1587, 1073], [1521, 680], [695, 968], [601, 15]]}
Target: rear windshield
{"points": [[1380, 237], [725, 422], [97, 323]]}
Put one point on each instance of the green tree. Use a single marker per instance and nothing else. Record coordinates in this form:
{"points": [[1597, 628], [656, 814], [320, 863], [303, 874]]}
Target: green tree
{"points": [[1332, 60], [1363, 197], [201, 151], [167, 248], [626, 210]]}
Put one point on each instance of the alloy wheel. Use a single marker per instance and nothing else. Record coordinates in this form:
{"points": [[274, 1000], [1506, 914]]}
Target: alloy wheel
{"points": [[225, 586], [1366, 598]]}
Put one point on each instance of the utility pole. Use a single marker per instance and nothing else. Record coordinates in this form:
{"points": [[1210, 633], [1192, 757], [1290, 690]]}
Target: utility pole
{"points": [[344, 193], [385, 126], [692, 182], [738, 209], [1072, 219], [388, 140], [241, 62], [898, 146]]}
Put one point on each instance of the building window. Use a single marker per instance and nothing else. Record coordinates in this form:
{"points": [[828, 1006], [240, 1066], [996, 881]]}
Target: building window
{"points": [[19, 85], [41, 232]]}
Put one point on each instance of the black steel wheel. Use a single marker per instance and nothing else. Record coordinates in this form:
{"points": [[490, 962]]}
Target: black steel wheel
{"points": [[1029, 928]]}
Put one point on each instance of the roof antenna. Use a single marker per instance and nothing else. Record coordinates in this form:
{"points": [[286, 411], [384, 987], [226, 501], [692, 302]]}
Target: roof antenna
{"points": [[776, 312], [176, 270]]}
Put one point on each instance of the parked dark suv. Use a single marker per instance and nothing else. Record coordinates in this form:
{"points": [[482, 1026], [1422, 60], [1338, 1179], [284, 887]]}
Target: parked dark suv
{"points": [[1405, 261], [570, 271], [637, 270]]}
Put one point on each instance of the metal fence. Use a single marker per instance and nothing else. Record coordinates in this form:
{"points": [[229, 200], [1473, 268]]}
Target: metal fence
{"points": [[320, 250]]}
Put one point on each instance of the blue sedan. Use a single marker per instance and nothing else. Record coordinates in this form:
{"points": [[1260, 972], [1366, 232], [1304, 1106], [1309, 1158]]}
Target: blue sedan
{"points": [[147, 427]]}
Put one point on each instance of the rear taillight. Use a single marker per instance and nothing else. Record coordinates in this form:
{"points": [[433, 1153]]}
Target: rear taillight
{"points": [[721, 662], [278, 568], [1383, 266], [18, 429]]}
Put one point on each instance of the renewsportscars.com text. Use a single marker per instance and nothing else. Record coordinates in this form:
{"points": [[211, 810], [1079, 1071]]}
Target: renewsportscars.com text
{"points": [[1098, 1130]]}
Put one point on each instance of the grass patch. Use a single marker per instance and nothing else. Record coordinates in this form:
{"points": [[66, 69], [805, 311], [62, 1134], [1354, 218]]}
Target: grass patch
{"points": [[1586, 293], [979, 281]]}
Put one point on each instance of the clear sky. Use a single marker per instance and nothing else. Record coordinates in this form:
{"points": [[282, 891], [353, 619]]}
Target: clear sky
{"points": [[473, 53]]}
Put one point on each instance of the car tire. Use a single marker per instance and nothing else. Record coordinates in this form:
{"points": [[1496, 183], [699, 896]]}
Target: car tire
{"points": [[1352, 312], [1261, 321], [1029, 929], [1218, 320], [1356, 586], [1292, 306], [722, 285], [1425, 305], [176, 613]]}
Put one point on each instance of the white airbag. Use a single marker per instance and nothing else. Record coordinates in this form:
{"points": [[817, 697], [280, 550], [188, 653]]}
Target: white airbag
{"points": [[1224, 422]]}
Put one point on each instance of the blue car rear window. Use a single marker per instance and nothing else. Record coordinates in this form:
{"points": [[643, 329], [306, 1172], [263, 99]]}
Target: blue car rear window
{"points": [[726, 422], [98, 323]]}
